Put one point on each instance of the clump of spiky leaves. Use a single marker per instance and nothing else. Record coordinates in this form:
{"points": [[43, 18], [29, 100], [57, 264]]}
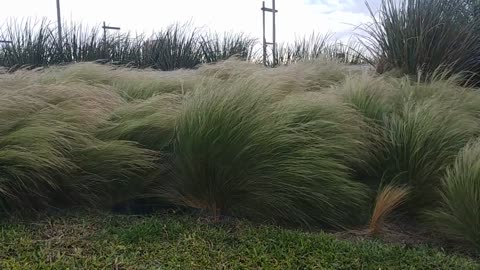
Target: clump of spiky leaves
{"points": [[29, 43], [424, 35], [241, 149], [458, 212], [317, 46], [306, 48], [217, 47], [177, 46], [388, 199]]}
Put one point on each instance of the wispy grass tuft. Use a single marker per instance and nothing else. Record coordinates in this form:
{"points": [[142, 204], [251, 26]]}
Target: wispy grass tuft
{"points": [[50, 156], [388, 199], [419, 129], [239, 152], [458, 213]]}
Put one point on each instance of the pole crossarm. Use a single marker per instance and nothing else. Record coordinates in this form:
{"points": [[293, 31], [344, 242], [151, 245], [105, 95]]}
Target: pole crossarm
{"points": [[105, 28], [111, 27], [268, 9]]}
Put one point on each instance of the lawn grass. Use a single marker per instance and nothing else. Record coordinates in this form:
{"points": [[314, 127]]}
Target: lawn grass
{"points": [[168, 241]]}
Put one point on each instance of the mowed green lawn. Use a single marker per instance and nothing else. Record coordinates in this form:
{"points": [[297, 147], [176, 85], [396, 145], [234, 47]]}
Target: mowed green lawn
{"points": [[104, 241]]}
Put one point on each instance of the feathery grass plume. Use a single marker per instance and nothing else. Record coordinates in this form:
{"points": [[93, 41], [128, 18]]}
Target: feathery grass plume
{"points": [[141, 85], [131, 84], [231, 68], [312, 116], [32, 159], [109, 172], [150, 122], [76, 103], [371, 96], [420, 127], [458, 213], [424, 35], [49, 155], [420, 141], [65, 166], [313, 75], [286, 80], [239, 152], [88, 72], [443, 89], [388, 199]]}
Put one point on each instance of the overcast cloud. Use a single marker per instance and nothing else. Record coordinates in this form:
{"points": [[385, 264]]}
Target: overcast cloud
{"points": [[295, 17]]}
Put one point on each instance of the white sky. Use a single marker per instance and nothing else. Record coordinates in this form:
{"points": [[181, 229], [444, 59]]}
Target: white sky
{"points": [[295, 17]]}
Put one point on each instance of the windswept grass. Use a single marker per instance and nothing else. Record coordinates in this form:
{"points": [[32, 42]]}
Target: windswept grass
{"points": [[420, 127], [150, 123], [50, 156], [239, 152], [458, 214], [310, 143], [421, 140]]}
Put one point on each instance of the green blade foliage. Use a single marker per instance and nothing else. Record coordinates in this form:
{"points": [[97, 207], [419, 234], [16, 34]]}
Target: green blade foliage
{"points": [[240, 149], [458, 215]]}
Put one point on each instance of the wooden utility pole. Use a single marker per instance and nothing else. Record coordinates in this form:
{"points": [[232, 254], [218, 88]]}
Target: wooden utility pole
{"points": [[274, 34], [264, 40], [59, 30], [105, 28]]}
